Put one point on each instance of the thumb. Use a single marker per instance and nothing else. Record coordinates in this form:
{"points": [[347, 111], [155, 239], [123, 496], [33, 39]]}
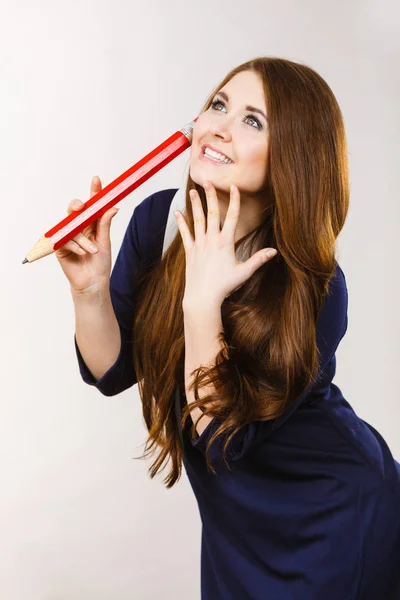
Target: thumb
{"points": [[257, 260], [104, 225]]}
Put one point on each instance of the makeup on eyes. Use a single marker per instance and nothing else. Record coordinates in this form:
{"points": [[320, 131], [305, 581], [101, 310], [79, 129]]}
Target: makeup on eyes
{"points": [[216, 101], [248, 107]]}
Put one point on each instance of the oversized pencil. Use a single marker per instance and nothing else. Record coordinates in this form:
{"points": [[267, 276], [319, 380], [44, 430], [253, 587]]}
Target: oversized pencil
{"points": [[115, 191]]}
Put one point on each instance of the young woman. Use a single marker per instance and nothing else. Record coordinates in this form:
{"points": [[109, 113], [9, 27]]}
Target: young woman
{"points": [[299, 497]]}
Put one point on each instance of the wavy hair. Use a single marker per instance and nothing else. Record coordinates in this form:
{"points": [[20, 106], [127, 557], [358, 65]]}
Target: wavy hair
{"points": [[269, 355]]}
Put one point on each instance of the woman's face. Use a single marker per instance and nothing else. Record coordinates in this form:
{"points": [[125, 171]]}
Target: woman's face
{"points": [[238, 133]]}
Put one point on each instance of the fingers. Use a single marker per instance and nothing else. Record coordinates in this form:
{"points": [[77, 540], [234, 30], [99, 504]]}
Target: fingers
{"points": [[213, 218], [85, 243], [74, 205], [103, 224], [213, 213], [184, 230], [71, 246], [198, 216], [81, 244], [211, 226], [95, 185], [103, 227], [232, 215]]}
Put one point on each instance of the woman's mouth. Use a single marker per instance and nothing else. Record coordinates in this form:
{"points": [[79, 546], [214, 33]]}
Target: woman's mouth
{"points": [[208, 158]]}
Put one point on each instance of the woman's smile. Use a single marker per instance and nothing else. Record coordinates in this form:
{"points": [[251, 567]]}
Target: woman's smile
{"points": [[219, 163]]}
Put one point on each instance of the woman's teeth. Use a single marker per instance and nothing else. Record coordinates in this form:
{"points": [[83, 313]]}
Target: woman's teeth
{"points": [[216, 156]]}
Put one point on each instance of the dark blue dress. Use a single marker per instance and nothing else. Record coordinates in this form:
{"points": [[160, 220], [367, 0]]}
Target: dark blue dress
{"points": [[311, 507]]}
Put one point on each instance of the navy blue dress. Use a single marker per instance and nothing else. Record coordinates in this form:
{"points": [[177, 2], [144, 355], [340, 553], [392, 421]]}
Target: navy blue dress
{"points": [[311, 507]]}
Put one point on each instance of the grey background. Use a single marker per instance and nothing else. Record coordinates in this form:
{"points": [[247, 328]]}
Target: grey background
{"points": [[88, 88]]}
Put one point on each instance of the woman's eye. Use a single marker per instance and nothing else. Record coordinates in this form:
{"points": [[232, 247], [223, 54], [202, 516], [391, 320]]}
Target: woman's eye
{"points": [[214, 103]]}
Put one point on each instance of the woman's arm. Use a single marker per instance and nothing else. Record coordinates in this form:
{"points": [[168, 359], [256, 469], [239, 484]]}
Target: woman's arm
{"points": [[97, 331], [202, 328]]}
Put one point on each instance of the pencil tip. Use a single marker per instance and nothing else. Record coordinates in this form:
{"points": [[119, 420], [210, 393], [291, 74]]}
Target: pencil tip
{"points": [[24, 261]]}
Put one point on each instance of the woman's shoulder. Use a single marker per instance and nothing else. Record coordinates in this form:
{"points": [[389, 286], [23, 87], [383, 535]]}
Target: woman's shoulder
{"points": [[154, 209], [339, 278], [148, 222]]}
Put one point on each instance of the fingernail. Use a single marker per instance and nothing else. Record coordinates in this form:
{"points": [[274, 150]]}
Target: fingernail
{"points": [[92, 248], [271, 253]]}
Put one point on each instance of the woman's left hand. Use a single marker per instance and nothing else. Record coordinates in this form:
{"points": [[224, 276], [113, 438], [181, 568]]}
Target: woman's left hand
{"points": [[212, 271]]}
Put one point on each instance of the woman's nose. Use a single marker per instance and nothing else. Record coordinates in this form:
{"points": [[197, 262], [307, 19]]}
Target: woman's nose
{"points": [[221, 129]]}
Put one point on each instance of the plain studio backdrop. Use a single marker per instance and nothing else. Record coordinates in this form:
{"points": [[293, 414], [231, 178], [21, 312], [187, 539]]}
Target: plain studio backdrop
{"points": [[88, 88]]}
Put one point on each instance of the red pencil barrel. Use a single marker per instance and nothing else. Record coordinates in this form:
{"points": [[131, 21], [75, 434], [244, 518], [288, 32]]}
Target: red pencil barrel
{"points": [[161, 155]]}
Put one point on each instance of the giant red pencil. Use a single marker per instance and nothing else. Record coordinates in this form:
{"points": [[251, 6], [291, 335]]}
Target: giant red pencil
{"points": [[115, 191]]}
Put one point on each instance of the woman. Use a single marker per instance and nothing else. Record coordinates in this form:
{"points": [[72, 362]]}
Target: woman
{"points": [[299, 497]]}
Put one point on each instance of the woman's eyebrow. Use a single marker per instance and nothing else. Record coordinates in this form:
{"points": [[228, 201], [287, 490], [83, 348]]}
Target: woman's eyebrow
{"points": [[252, 108]]}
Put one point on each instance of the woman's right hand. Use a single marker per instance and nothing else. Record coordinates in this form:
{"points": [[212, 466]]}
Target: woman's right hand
{"points": [[85, 270]]}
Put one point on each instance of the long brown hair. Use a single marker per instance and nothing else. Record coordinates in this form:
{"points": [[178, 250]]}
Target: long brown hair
{"points": [[269, 354]]}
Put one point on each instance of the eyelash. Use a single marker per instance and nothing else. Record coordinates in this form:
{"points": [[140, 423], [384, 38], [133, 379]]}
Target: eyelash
{"points": [[215, 102]]}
